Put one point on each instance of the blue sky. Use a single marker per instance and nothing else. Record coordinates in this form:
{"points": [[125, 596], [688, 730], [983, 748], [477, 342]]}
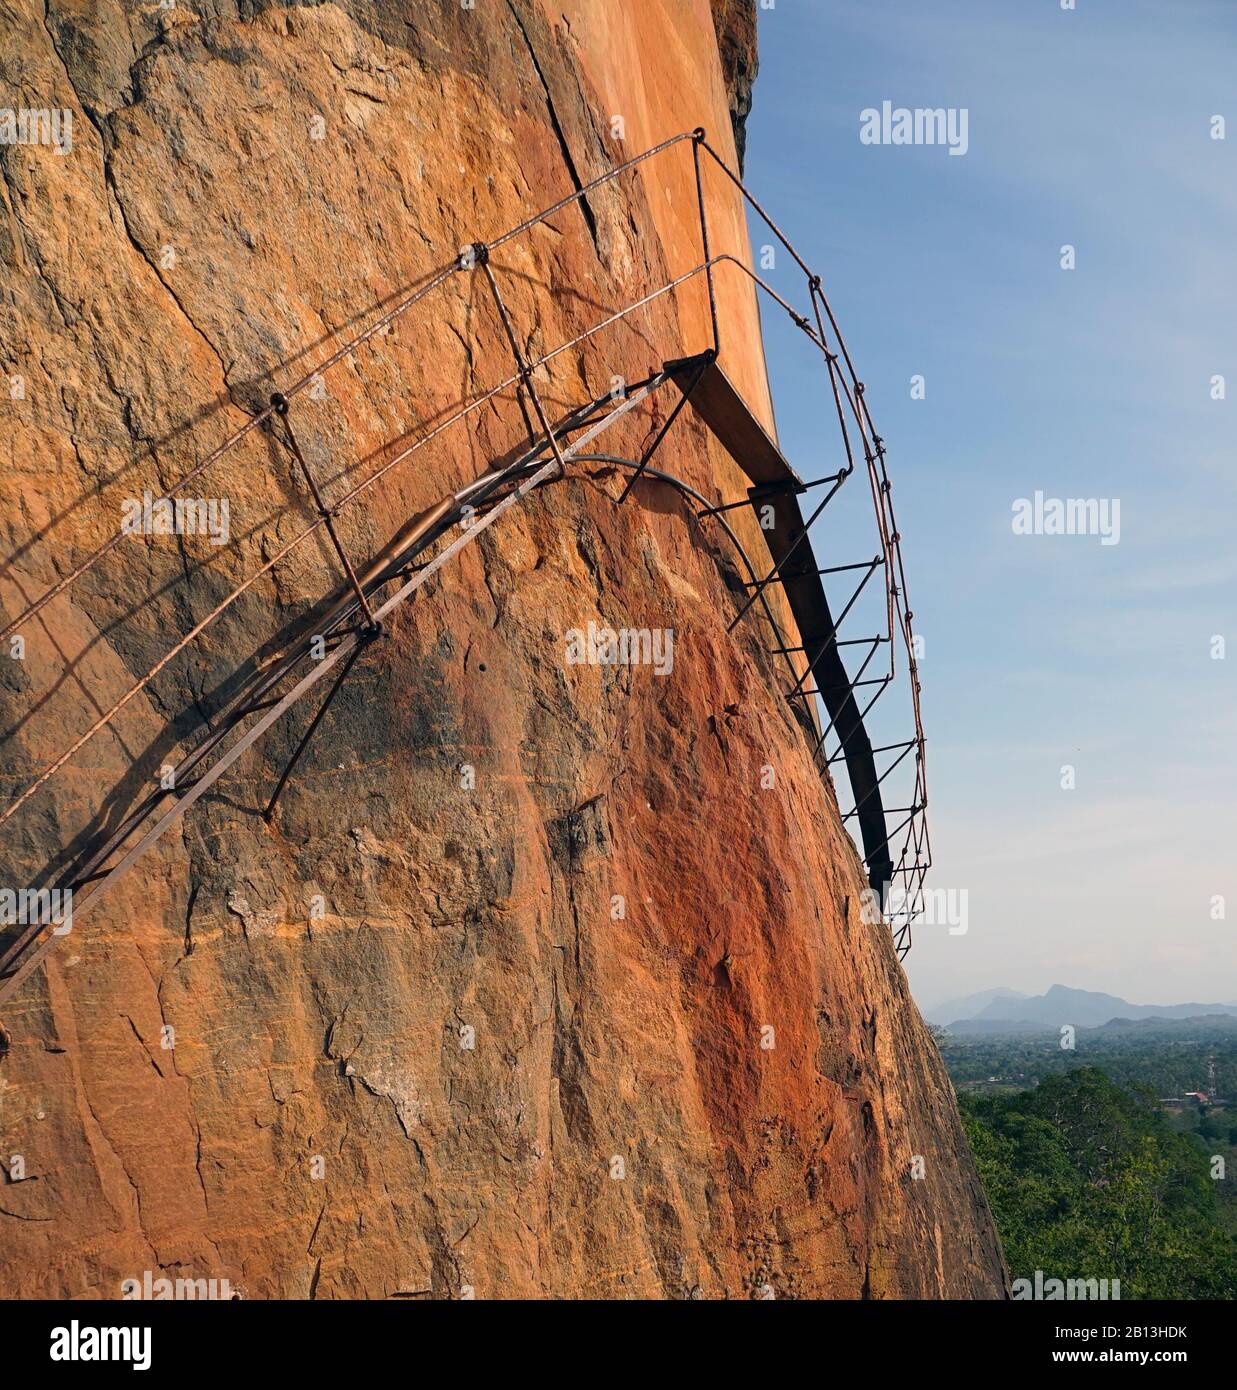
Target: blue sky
{"points": [[1091, 128]]}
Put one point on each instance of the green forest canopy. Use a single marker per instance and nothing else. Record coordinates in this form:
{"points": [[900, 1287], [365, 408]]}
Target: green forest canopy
{"points": [[1088, 1181]]}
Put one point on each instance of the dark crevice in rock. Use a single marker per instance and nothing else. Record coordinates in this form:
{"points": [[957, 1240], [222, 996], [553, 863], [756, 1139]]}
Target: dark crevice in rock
{"points": [[734, 22], [556, 124]]}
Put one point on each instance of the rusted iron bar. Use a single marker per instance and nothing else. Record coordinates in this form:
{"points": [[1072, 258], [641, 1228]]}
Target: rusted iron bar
{"points": [[832, 569], [838, 621], [482, 253], [846, 388], [847, 642], [706, 359], [313, 726], [436, 279], [775, 572], [755, 495], [39, 946], [854, 811], [697, 140], [884, 748], [280, 403]]}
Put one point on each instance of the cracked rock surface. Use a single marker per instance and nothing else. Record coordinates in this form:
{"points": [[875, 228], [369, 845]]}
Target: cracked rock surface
{"points": [[482, 1006]]}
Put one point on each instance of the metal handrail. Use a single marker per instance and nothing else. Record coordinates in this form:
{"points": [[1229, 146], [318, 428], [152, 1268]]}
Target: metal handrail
{"points": [[846, 388]]}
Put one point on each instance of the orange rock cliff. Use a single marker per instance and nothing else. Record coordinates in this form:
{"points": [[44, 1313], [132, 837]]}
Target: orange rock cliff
{"points": [[485, 1005]]}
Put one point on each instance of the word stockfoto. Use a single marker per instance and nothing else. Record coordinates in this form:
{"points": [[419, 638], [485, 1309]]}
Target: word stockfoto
{"points": [[629, 646]]}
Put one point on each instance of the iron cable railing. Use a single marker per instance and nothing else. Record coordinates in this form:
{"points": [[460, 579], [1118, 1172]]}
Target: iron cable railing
{"points": [[850, 405]]}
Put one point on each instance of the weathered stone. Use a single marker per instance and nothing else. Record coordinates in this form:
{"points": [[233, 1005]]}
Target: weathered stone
{"points": [[425, 1085]]}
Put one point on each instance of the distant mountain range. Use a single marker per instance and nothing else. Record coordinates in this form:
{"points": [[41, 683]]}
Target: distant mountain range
{"points": [[1008, 1011]]}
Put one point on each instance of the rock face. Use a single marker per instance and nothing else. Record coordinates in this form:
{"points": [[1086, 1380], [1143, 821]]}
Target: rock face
{"points": [[735, 22], [487, 1005]]}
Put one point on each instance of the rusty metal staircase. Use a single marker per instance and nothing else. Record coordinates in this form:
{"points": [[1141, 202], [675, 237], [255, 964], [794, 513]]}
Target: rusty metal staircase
{"points": [[815, 666], [777, 487]]}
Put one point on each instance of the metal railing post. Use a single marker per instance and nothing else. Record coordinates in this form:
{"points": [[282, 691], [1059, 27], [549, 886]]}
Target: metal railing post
{"points": [[280, 404], [697, 139], [482, 254]]}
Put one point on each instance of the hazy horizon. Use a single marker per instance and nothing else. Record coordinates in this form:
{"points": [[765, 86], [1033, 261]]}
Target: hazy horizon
{"points": [[931, 1002]]}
